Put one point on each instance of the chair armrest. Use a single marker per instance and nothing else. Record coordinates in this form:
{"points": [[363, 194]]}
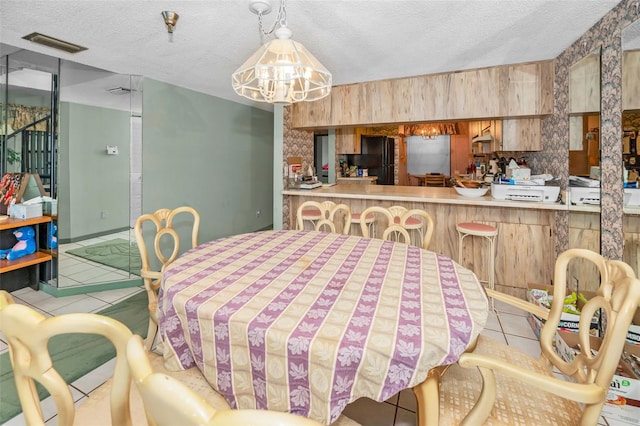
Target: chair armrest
{"points": [[154, 275], [584, 393], [519, 303]]}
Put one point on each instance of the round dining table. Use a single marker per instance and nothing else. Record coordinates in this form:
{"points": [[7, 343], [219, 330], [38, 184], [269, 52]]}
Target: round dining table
{"points": [[307, 322]]}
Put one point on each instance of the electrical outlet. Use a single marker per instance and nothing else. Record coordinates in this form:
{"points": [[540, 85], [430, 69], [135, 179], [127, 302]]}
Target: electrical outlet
{"points": [[104, 214]]}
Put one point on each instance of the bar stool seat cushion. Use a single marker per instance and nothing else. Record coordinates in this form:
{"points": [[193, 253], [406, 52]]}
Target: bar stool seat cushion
{"points": [[355, 218], [479, 229], [412, 222]]}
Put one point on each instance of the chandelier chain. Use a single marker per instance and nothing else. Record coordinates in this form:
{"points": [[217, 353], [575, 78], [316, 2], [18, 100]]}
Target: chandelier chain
{"points": [[281, 19]]}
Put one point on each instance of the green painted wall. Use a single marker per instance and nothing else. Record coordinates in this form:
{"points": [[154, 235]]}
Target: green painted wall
{"points": [[90, 181], [209, 153]]}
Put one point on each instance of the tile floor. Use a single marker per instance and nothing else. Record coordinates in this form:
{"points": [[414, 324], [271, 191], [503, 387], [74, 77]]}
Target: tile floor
{"points": [[76, 271], [509, 326]]}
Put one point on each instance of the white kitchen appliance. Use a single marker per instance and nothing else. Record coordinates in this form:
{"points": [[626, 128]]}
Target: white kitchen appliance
{"points": [[542, 193], [632, 197], [582, 195], [584, 190]]}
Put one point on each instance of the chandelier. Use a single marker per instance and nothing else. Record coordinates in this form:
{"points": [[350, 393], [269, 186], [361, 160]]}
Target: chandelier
{"points": [[282, 71]]}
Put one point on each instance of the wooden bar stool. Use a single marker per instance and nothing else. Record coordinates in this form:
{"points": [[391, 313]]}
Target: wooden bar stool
{"points": [[480, 230]]}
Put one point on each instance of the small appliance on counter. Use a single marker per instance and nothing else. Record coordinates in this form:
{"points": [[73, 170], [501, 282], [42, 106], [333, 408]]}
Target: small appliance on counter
{"points": [[632, 197], [547, 193], [310, 184], [584, 190]]}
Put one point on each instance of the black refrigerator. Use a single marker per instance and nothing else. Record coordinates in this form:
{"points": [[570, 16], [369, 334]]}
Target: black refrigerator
{"points": [[378, 155]]}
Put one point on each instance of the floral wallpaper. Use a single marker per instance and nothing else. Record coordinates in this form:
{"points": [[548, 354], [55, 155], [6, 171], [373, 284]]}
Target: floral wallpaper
{"points": [[296, 143], [606, 36]]}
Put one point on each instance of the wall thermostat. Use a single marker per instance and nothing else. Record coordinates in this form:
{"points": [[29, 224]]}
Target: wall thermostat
{"points": [[112, 150]]}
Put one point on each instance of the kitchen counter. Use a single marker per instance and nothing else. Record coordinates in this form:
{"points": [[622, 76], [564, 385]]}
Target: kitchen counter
{"points": [[421, 194], [526, 242], [361, 180]]}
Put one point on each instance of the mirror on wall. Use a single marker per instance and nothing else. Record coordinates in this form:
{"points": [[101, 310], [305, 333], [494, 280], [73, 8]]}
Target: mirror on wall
{"points": [[630, 145], [95, 164], [584, 164]]}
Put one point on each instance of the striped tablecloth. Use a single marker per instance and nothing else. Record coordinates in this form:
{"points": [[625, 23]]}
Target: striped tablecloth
{"points": [[308, 322]]}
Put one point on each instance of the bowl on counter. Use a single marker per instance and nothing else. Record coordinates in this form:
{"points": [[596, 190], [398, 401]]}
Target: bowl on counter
{"points": [[471, 192]]}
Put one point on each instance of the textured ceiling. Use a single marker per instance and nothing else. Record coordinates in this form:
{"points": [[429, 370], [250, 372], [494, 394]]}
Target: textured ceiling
{"points": [[357, 40]]}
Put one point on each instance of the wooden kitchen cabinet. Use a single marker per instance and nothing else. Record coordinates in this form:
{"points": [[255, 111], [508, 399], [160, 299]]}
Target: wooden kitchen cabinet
{"points": [[630, 80], [526, 89], [25, 271], [521, 90], [311, 114], [347, 141], [521, 134]]}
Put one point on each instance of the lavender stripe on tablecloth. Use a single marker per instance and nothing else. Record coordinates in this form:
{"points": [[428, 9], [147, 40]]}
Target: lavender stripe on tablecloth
{"points": [[298, 356], [456, 309], [221, 317], [406, 355], [168, 320]]}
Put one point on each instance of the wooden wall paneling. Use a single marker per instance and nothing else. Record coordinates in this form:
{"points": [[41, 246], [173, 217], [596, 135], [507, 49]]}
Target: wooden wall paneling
{"points": [[631, 231], [630, 79], [584, 232], [521, 134]]}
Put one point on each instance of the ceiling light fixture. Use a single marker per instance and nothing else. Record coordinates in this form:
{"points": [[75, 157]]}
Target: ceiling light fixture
{"points": [[54, 43], [282, 71], [170, 20], [430, 133]]}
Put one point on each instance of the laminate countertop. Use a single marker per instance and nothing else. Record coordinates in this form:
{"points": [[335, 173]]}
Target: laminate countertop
{"points": [[421, 194]]}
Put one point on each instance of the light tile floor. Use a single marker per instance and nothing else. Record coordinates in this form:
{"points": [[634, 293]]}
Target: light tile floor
{"points": [[508, 325], [77, 271]]}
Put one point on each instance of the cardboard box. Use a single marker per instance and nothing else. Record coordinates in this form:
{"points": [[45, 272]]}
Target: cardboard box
{"points": [[568, 321], [22, 211], [623, 399]]}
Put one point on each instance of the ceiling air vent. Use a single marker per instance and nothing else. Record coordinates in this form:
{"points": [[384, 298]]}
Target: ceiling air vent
{"points": [[54, 42]]}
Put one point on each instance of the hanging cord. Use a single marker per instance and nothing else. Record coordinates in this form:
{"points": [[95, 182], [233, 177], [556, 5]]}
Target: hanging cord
{"points": [[281, 19]]}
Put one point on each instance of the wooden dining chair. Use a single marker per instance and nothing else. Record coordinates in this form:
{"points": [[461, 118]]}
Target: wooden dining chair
{"points": [[164, 239], [27, 333], [431, 179], [499, 385], [168, 402]]}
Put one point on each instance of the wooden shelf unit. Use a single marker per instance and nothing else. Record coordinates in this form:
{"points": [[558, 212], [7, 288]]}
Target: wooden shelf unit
{"points": [[30, 260]]}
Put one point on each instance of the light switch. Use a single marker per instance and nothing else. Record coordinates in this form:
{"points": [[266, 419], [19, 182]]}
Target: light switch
{"points": [[112, 150]]}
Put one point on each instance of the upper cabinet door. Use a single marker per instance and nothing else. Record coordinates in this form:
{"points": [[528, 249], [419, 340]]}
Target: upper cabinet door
{"points": [[522, 134], [311, 114], [527, 89]]}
